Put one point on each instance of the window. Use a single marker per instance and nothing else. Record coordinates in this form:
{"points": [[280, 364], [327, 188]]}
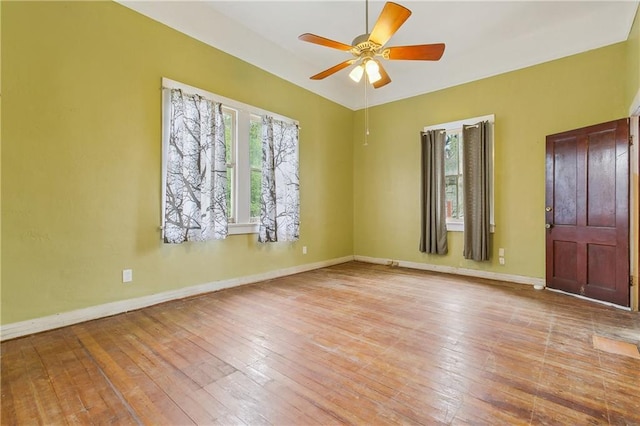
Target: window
{"points": [[454, 175], [243, 141]]}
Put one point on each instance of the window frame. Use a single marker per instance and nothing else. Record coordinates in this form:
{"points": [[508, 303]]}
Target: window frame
{"points": [[232, 164], [241, 221], [258, 119], [457, 225]]}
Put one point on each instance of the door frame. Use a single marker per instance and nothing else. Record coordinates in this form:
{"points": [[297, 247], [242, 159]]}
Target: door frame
{"points": [[634, 201]]}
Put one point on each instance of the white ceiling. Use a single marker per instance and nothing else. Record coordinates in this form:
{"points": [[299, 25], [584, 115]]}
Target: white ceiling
{"points": [[482, 38]]}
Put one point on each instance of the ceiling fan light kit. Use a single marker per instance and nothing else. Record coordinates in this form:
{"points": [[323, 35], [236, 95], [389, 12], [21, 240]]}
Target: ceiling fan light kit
{"points": [[367, 47], [372, 69]]}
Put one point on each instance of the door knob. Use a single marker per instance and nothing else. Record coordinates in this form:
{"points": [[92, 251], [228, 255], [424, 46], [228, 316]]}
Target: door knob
{"points": [[548, 225], [548, 208]]}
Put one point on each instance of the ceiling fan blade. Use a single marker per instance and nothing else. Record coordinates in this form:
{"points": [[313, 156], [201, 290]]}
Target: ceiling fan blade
{"points": [[334, 69], [391, 18], [385, 77], [322, 41], [420, 52]]}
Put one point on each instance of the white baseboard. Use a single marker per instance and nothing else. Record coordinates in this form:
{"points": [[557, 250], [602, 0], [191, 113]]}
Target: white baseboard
{"points": [[519, 279], [24, 328]]}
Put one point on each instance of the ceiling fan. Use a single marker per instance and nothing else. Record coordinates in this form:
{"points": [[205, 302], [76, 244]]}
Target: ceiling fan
{"points": [[366, 48]]}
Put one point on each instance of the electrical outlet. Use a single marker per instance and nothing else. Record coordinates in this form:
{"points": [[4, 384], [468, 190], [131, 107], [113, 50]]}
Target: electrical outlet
{"points": [[127, 275], [304, 249], [501, 259]]}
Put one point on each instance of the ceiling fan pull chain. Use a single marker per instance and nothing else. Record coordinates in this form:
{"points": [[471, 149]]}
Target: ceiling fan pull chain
{"points": [[366, 115]]}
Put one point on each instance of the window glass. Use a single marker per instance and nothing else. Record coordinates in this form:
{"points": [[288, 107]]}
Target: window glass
{"points": [[453, 176], [229, 136], [255, 161]]}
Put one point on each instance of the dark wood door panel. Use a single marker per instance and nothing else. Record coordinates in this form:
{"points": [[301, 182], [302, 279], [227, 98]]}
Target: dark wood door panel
{"points": [[565, 271], [601, 179], [565, 173], [601, 271], [587, 199], [604, 271], [592, 234]]}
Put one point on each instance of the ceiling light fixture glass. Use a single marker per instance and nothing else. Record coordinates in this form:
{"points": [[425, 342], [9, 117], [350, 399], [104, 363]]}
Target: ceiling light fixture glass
{"points": [[356, 73], [372, 69]]}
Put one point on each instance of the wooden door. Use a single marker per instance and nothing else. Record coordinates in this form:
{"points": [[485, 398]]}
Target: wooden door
{"points": [[587, 212]]}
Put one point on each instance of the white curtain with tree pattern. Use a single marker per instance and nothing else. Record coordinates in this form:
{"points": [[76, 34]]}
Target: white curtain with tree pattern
{"points": [[196, 172], [280, 197]]}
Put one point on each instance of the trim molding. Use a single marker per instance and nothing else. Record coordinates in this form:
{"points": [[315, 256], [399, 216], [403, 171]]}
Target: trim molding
{"points": [[36, 325], [538, 283]]}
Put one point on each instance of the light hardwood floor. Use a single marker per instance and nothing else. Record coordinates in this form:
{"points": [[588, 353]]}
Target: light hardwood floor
{"points": [[349, 344]]}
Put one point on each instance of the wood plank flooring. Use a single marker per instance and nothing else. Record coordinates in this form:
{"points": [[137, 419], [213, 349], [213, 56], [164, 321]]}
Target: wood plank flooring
{"points": [[349, 344]]}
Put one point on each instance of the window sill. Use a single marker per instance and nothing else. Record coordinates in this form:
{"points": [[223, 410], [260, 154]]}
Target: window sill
{"points": [[243, 228], [455, 226], [459, 227]]}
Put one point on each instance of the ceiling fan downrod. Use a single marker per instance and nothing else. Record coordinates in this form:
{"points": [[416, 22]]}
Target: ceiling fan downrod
{"points": [[366, 17]]}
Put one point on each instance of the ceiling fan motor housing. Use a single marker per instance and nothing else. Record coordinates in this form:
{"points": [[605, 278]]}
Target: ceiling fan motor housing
{"points": [[362, 46]]}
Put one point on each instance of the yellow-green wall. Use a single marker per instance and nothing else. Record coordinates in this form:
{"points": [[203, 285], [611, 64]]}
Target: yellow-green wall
{"points": [[82, 150], [633, 59], [81, 162], [528, 104]]}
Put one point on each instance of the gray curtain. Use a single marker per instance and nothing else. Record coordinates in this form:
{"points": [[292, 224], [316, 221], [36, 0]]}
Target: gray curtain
{"points": [[433, 234], [476, 187], [280, 194], [196, 179]]}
